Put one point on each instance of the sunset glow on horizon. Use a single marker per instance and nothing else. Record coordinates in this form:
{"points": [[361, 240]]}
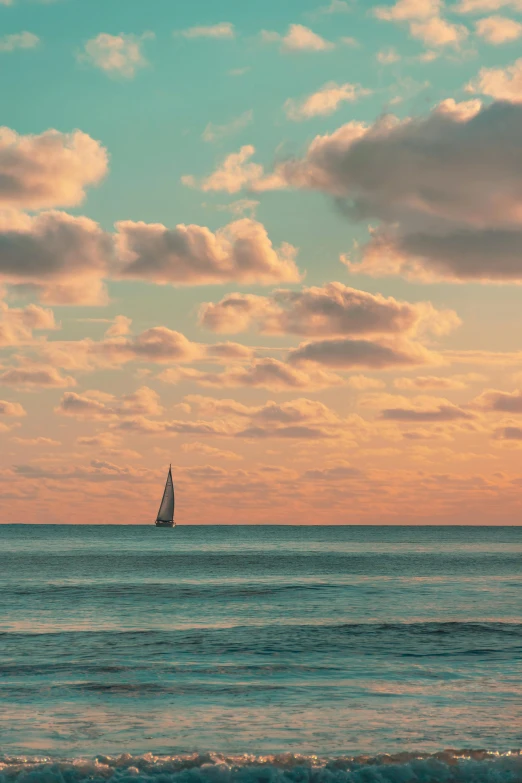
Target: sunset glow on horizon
{"points": [[277, 247]]}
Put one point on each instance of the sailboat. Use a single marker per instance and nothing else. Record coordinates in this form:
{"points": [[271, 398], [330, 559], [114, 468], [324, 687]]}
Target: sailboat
{"points": [[165, 516]]}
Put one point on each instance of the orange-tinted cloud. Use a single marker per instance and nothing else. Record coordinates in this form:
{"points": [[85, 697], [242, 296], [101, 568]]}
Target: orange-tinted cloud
{"points": [[48, 170], [334, 309], [193, 255], [356, 354]]}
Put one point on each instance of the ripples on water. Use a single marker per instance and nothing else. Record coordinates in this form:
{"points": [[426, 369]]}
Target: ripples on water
{"points": [[257, 640]]}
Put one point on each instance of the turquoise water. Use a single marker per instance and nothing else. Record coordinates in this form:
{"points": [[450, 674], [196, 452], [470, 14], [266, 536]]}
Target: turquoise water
{"points": [[334, 641]]}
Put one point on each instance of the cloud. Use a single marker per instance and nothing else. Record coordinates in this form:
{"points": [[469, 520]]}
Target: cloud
{"points": [[509, 433], [442, 412], [66, 259], [498, 30], [37, 441], [388, 56], [324, 102], [120, 327], [362, 383], [217, 132], [335, 7], [299, 39], [406, 10], [425, 22], [298, 419], [193, 255], [234, 174], [118, 55], [493, 401], [340, 472], [334, 309], [17, 324], [438, 32], [25, 40], [11, 409], [35, 376], [270, 374], [502, 84], [97, 405], [446, 187], [429, 382], [480, 6], [220, 30], [63, 257], [358, 354], [209, 451], [49, 169]]}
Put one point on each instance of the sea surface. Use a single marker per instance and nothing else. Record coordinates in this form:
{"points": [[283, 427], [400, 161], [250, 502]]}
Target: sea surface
{"points": [[235, 653]]}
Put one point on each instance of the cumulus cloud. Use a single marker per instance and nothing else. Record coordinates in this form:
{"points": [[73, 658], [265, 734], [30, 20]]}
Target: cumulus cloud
{"points": [[502, 84], [298, 419], [298, 39], [98, 405], [494, 401], [12, 409], [17, 324], [35, 376], [234, 173], [363, 354], [325, 101], [117, 55], [220, 30], [49, 169], [334, 309], [217, 132], [63, 257], [24, 40], [270, 374], [406, 10], [498, 30], [425, 22], [446, 187], [444, 411], [193, 255]]}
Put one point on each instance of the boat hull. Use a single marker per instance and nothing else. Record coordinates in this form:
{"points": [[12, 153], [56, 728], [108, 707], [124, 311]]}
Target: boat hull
{"points": [[165, 524]]}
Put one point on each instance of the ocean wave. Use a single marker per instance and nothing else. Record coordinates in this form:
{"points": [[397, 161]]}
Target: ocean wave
{"points": [[449, 766]]}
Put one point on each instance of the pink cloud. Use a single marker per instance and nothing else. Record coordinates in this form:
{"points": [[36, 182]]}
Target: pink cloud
{"points": [[298, 39], [334, 309], [347, 354], [269, 374], [324, 102], [498, 30], [193, 255], [50, 169], [119, 55]]}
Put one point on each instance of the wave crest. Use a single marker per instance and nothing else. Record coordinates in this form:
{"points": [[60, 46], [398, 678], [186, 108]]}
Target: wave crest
{"points": [[450, 766]]}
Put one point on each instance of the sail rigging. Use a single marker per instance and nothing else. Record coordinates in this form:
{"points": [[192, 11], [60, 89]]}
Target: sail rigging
{"points": [[166, 509]]}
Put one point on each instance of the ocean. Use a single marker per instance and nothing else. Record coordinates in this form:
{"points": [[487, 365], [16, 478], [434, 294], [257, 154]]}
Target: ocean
{"points": [[249, 653]]}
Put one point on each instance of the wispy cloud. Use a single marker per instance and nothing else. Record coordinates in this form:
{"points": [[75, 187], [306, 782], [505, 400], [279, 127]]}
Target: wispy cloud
{"points": [[22, 40], [220, 30], [217, 132]]}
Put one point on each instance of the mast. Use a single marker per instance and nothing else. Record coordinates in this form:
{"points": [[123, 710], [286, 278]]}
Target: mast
{"points": [[166, 509]]}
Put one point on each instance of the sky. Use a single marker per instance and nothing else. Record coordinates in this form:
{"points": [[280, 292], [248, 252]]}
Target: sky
{"points": [[276, 245]]}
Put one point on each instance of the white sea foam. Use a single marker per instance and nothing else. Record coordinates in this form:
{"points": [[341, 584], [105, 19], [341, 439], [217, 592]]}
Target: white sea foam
{"points": [[468, 766]]}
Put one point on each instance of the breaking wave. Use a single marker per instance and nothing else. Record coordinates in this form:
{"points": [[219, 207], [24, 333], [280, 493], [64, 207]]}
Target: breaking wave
{"points": [[449, 766]]}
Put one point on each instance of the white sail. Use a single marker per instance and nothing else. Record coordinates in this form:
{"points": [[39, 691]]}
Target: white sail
{"points": [[166, 511]]}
